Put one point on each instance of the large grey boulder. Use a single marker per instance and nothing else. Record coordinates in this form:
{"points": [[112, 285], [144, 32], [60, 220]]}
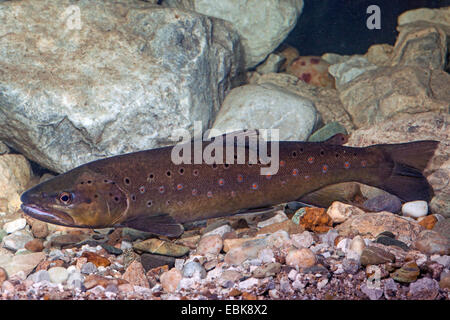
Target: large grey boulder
{"points": [[262, 24], [89, 79]]}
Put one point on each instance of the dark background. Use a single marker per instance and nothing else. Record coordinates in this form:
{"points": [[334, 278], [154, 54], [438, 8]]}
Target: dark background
{"points": [[339, 26]]}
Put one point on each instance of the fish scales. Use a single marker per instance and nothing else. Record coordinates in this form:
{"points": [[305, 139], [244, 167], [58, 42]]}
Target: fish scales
{"points": [[147, 191]]}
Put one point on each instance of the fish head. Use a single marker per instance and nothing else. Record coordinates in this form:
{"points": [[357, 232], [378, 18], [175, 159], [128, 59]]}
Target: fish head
{"points": [[78, 198]]}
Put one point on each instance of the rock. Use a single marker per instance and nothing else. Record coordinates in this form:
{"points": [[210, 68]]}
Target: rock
{"points": [[302, 240], [428, 222], [444, 282], [373, 223], [431, 242], [3, 148], [273, 63], [232, 276], [442, 260], [431, 16], [422, 46], [443, 228], [390, 289], [280, 216], [289, 53], [58, 274], [38, 276], [373, 293], [170, 280], [172, 67], [39, 229], [262, 25], [247, 250], [67, 240], [357, 245], [325, 100], [14, 225], [327, 131], [135, 275], [88, 268], [218, 231], [266, 255], [312, 70], [351, 266], [302, 258], [248, 284], [16, 240], [423, 289], [440, 180], [316, 219], [350, 69], [112, 249], [150, 261], [333, 58], [383, 202], [194, 269], [210, 245], [3, 275], [286, 225], [278, 239], [328, 238], [15, 175], [156, 246], [96, 259], [374, 255], [339, 212], [386, 92], [388, 241], [229, 244], [380, 54], [190, 242], [415, 209], [407, 273], [34, 245], [271, 107], [131, 235], [75, 280]]}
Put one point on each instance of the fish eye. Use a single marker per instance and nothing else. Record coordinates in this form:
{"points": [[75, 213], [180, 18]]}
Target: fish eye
{"points": [[65, 197]]}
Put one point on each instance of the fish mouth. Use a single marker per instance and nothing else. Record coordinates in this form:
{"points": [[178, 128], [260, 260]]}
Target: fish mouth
{"points": [[55, 217]]}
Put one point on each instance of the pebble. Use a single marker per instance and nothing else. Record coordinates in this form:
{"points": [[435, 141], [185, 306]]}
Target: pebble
{"points": [[383, 202], [431, 242], [327, 131], [286, 226], [302, 258], [135, 275], [232, 276], [415, 209], [88, 268], [194, 269], [340, 212], [357, 245], [315, 219], [266, 255], [350, 266], [280, 216], [170, 280], [15, 225], [343, 244], [211, 244], [329, 237], [424, 289], [220, 231], [111, 249], [96, 259], [443, 260], [248, 250], [34, 245], [444, 282], [268, 270], [407, 273], [373, 293], [278, 239], [38, 276], [39, 229], [248, 284], [229, 244], [390, 288], [67, 240], [58, 274], [428, 222], [150, 261], [388, 241], [157, 246], [16, 240], [302, 240], [375, 255]]}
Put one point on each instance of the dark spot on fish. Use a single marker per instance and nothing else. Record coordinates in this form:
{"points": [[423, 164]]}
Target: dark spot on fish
{"points": [[294, 154], [226, 166], [181, 171], [133, 197], [95, 195], [301, 150], [168, 173], [149, 203], [116, 199], [89, 181], [195, 172], [322, 153], [127, 181], [151, 176], [214, 166], [337, 155]]}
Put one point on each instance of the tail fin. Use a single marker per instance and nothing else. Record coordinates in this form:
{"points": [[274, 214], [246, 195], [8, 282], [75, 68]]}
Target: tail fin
{"points": [[410, 159]]}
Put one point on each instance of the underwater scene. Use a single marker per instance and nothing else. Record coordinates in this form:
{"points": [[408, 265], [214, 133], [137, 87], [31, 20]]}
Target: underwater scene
{"points": [[224, 150]]}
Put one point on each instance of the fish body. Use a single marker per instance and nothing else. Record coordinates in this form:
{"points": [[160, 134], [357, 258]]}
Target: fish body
{"points": [[145, 190]]}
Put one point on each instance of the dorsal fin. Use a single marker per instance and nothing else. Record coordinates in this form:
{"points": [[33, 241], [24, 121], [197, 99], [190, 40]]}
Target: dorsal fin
{"points": [[338, 139]]}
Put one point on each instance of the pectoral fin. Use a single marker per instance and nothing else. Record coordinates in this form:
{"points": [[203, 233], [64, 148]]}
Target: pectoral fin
{"points": [[162, 224]]}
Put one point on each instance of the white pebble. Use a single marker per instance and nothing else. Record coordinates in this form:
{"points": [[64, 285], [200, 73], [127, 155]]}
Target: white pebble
{"points": [[357, 245], [279, 217], [415, 209], [126, 245], [58, 274], [15, 225]]}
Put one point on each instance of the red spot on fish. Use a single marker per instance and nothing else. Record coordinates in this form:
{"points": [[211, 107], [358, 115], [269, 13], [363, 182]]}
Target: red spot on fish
{"points": [[295, 172], [311, 160], [161, 189], [179, 186], [307, 177], [363, 163], [347, 165], [141, 189], [194, 192], [221, 182], [314, 60], [254, 186], [305, 77], [324, 168], [209, 194], [282, 163], [240, 178], [268, 176], [294, 154]]}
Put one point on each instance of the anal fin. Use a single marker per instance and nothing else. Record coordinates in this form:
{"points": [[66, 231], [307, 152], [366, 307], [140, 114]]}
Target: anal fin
{"points": [[161, 224]]}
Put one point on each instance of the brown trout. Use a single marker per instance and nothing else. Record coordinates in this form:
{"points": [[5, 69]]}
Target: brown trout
{"points": [[145, 190]]}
